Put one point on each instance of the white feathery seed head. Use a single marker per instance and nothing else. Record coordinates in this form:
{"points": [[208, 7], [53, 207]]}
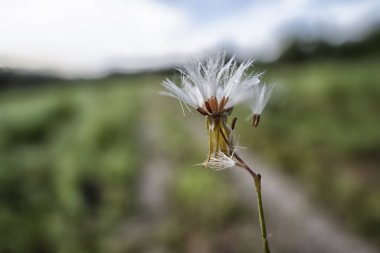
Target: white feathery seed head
{"points": [[214, 85]]}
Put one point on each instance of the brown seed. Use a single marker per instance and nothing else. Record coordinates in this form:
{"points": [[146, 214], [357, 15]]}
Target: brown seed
{"points": [[202, 111], [227, 98], [233, 123], [222, 103], [207, 104], [214, 103], [255, 120]]}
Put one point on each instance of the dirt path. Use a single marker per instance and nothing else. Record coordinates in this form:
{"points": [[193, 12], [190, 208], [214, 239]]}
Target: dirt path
{"points": [[152, 188], [294, 221]]}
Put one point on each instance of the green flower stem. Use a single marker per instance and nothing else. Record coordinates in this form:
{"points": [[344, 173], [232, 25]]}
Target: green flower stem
{"points": [[257, 180], [264, 238]]}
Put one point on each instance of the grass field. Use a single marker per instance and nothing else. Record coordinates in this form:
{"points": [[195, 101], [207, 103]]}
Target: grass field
{"points": [[72, 155]]}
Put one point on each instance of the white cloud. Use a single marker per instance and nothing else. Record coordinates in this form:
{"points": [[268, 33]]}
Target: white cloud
{"points": [[86, 37], [81, 36], [263, 28]]}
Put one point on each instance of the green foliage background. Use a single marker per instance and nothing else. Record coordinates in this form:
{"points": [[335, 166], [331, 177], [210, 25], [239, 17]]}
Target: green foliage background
{"points": [[71, 157]]}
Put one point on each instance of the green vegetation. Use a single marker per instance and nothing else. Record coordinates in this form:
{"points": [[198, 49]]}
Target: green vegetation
{"points": [[71, 159], [322, 127]]}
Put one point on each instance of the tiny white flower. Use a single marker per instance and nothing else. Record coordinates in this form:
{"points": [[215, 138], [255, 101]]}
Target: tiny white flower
{"points": [[219, 161], [213, 86]]}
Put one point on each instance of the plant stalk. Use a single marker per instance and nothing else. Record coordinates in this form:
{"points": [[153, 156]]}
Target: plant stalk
{"points": [[257, 181], [263, 228]]}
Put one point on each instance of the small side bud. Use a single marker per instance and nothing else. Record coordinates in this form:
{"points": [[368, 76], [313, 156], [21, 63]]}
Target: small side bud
{"points": [[255, 120]]}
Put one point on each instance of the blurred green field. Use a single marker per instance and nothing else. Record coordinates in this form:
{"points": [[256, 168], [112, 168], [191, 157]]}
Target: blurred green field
{"points": [[323, 127], [72, 155]]}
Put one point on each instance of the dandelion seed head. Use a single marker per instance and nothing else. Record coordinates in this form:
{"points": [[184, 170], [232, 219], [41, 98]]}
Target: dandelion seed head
{"points": [[213, 86]]}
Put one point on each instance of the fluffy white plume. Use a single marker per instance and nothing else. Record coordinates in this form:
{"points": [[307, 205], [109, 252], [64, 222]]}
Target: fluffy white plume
{"points": [[261, 94], [214, 77]]}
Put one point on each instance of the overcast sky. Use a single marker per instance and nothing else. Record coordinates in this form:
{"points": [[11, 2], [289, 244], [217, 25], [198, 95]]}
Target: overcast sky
{"points": [[90, 37]]}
